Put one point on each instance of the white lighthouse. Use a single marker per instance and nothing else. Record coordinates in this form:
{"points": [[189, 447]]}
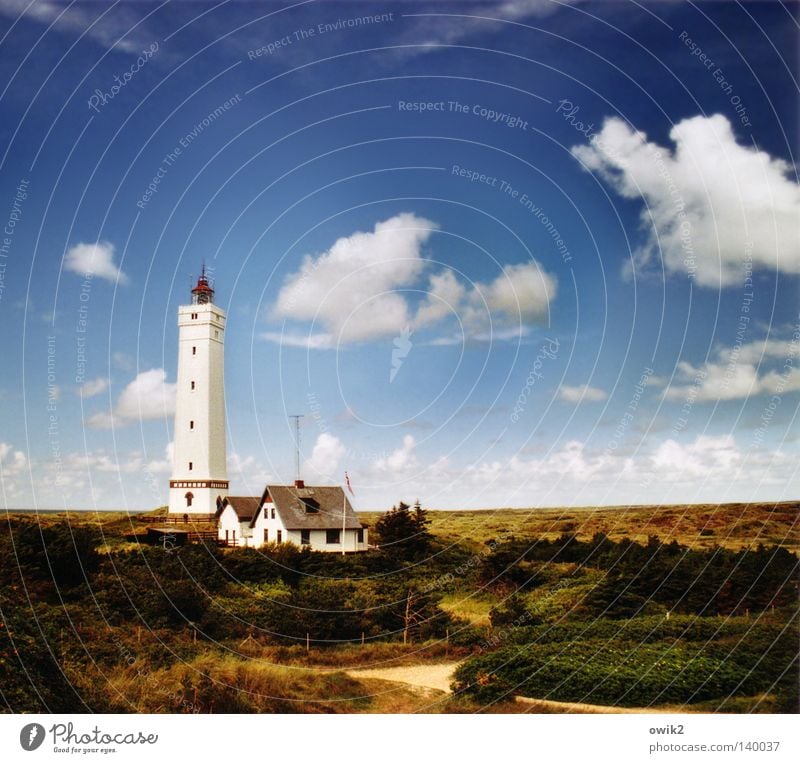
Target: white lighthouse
{"points": [[199, 471]]}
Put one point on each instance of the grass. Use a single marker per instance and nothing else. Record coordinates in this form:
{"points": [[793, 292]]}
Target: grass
{"points": [[473, 608], [214, 683], [733, 525]]}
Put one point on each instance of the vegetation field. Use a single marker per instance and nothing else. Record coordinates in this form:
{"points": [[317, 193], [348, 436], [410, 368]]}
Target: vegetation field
{"points": [[692, 608], [730, 525]]}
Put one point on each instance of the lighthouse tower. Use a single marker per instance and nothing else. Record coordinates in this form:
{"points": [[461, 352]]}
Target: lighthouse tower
{"points": [[199, 472]]}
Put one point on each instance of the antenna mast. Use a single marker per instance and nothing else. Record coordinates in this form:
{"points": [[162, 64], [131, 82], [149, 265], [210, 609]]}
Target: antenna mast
{"points": [[297, 417]]}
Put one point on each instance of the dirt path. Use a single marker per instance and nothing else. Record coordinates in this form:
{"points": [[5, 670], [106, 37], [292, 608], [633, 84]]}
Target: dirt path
{"points": [[439, 676], [436, 676], [582, 707]]}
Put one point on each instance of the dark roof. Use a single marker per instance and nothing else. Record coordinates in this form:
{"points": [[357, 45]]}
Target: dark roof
{"points": [[328, 500], [245, 506]]}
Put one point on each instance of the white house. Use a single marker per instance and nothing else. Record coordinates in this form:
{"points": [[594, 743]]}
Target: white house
{"points": [[320, 518]]}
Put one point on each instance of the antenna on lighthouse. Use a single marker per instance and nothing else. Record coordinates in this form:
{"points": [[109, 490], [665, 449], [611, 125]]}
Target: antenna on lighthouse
{"points": [[297, 417]]}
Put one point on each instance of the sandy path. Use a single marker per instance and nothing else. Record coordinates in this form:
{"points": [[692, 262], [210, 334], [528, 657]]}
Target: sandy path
{"points": [[582, 707], [437, 676]]}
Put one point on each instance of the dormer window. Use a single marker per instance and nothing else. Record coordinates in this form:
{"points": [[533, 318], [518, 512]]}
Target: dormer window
{"points": [[310, 505]]}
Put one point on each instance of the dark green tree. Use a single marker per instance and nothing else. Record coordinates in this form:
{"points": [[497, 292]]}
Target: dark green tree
{"points": [[403, 532]]}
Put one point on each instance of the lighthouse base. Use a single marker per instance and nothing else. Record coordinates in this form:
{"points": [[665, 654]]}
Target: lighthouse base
{"points": [[196, 496]]}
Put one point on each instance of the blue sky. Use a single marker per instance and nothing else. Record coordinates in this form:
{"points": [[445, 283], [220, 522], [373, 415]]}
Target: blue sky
{"points": [[515, 253]]}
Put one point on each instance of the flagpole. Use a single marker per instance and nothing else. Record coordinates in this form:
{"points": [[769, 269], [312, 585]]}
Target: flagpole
{"points": [[344, 519], [349, 487]]}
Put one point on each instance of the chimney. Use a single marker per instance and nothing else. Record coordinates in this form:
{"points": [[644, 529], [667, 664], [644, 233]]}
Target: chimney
{"points": [[299, 483]]}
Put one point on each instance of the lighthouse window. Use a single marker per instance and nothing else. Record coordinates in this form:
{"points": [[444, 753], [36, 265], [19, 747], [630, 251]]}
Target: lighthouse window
{"points": [[192, 385], [191, 425], [194, 350], [194, 316], [190, 466], [189, 498], [216, 335]]}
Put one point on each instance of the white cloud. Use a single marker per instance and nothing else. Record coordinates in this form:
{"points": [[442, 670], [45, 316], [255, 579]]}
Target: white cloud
{"points": [[349, 288], [306, 341], [499, 310], [400, 460], [93, 387], [100, 461], [523, 293], [76, 19], [162, 465], [352, 292], [706, 198], [148, 396], [12, 462], [123, 361], [248, 472], [436, 31], [706, 458], [581, 394], [444, 298], [95, 260], [326, 456], [705, 469], [738, 373]]}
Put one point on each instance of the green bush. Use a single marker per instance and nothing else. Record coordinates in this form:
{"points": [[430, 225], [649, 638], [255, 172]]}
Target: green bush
{"points": [[634, 673]]}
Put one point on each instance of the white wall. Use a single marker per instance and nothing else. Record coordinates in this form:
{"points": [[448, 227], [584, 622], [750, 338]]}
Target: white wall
{"points": [[229, 522], [254, 537], [200, 360]]}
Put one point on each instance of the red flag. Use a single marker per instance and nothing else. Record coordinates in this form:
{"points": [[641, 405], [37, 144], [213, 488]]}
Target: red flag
{"points": [[347, 482]]}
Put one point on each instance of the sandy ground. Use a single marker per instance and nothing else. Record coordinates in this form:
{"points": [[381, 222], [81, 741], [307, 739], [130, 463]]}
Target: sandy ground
{"points": [[436, 676]]}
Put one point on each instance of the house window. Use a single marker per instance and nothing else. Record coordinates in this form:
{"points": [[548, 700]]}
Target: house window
{"points": [[192, 385], [189, 497], [280, 536], [360, 534], [272, 513], [191, 425], [305, 537], [266, 536], [332, 536], [190, 466], [194, 350]]}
